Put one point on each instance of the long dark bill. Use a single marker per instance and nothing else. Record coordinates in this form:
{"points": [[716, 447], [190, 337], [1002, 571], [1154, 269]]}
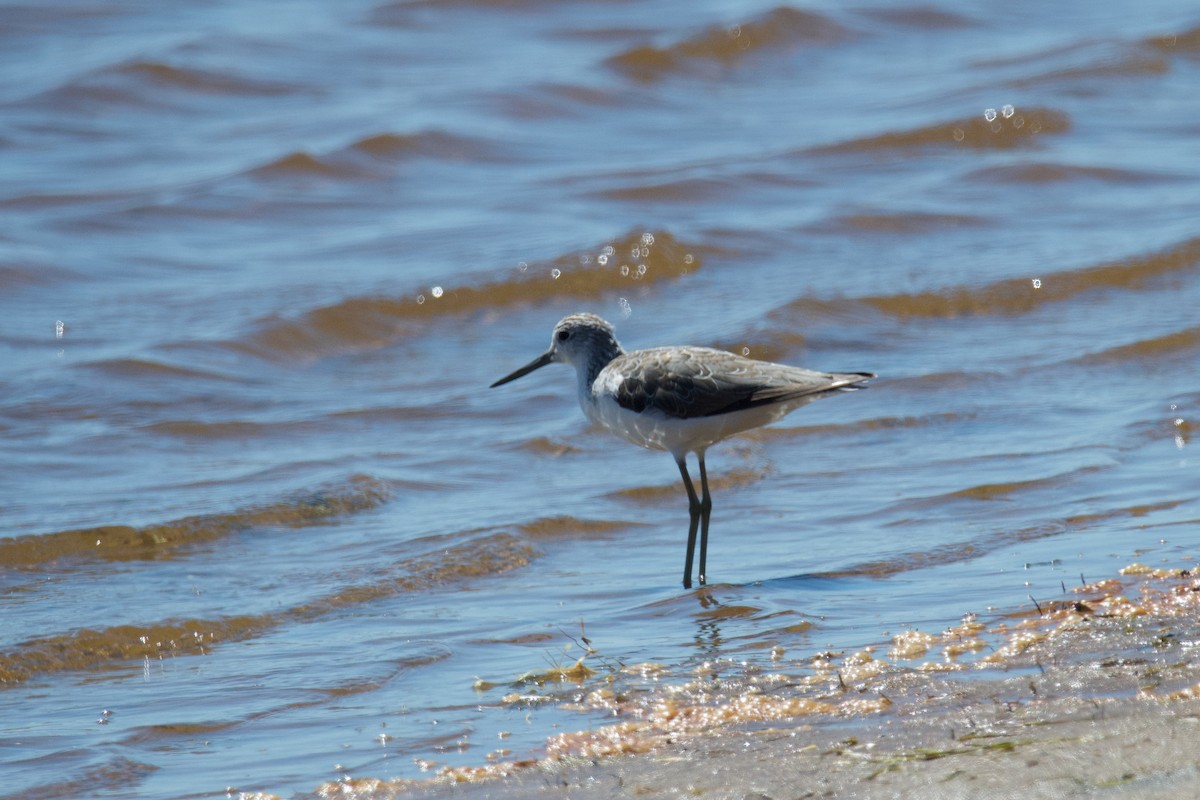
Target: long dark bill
{"points": [[539, 362]]}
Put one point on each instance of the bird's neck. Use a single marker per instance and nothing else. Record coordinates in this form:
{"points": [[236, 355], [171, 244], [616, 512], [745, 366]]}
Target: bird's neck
{"points": [[600, 358]]}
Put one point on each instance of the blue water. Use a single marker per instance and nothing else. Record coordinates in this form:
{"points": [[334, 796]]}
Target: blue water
{"points": [[263, 524]]}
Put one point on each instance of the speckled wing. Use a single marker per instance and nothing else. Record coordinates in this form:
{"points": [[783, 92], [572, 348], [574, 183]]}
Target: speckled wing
{"points": [[689, 382]]}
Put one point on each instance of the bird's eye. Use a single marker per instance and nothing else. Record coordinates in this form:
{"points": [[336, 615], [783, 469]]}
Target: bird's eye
{"points": [[564, 335]]}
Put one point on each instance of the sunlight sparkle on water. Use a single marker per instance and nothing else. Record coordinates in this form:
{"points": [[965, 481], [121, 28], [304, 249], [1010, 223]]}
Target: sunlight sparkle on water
{"points": [[1006, 111]]}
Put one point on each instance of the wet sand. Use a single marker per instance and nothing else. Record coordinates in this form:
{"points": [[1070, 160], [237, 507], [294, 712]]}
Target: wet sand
{"points": [[984, 745], [1103, 702]]}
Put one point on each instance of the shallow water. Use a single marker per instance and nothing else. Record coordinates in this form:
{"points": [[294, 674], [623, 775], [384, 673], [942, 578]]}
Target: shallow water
{"points": [[264, 525]]}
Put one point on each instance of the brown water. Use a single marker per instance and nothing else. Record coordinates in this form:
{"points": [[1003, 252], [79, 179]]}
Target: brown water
{"points": [[263, 524]]}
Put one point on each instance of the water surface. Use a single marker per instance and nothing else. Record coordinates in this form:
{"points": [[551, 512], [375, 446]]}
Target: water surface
{"points": [[265, 526]]}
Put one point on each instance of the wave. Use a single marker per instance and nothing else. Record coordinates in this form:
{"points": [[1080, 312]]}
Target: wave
{"points": [[554, 101], [154, 84], [401, 13], [958, 552], [986, 492], [90, 650], [876, 424], [198, 80], [127, 543], [1185, 44], [1037, 173], [670, 493], [362, 159], [1021, 295], [688, 190], [1106, 60], [61, 199], [923, 18], [17, 276], [367, 322], [1003, 131], [566, 527], [302, 164], [1126, 62], [908, 223], [112, 775], [143, 368], [1184, 344], [781, 28], [426, 144]]}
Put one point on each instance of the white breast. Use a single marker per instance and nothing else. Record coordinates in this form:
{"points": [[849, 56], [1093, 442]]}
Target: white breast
{"points": [[657, 431]]}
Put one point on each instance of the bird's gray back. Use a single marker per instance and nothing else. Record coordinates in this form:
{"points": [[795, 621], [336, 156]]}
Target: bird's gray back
{"points": [[688, 382]]}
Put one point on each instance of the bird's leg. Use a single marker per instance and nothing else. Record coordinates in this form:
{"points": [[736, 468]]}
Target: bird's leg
{"points": [[693, 522], [705, 512]]}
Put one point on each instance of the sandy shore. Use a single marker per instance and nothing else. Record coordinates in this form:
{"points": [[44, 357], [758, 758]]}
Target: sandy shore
{"points": [[1101, 700]]}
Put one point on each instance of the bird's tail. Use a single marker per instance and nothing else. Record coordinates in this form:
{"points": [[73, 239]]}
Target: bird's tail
{"points": [[852, 381]]}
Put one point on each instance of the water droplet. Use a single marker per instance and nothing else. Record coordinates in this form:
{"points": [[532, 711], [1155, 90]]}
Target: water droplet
{"points": [[626, 309], [1007, 110], [1037, 283], [745, 351], [625, 269], [989, 114], [420, 299], [60, 328], [688, 259], [554, 273], [523, 266], [585, 259], [436, 291], [608, 250], [959, 134], [647, 238], [602, 259], [641, 270]]}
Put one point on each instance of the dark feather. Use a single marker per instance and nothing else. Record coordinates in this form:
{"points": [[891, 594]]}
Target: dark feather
{"points": [[679, 383]]}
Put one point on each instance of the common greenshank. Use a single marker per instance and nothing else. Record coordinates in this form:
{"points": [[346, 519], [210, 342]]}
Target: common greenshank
{"points": [[679, 399]]}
